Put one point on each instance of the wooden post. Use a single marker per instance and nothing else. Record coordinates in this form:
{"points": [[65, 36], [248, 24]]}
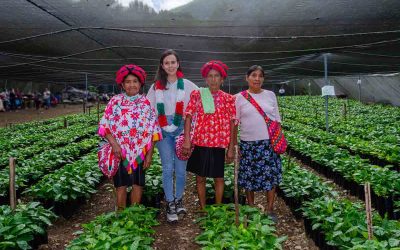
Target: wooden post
{"points": [[84, 107], [367, 190], [65, 122], [13, 195], [236, 186]]}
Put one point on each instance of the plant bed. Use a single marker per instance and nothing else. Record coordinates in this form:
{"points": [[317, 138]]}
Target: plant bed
{"points": [[255, 230], [317, 236], [39, 240], [25, 228], [128, 229], [153, 201], [355, 188], [227, 200], [292, 203], [64, 208]]}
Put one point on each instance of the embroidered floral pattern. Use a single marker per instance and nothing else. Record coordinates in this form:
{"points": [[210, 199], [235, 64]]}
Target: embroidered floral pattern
{"points": [[260, 167], [133, 124]]}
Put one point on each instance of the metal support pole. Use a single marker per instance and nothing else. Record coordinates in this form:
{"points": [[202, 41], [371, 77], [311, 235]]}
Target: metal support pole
{"points": [[326, 97], [5, 85], [86, 87], [294, 87], [85, 96], [359, 88]]}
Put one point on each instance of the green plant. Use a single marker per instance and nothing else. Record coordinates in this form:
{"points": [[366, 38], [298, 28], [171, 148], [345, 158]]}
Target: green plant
{"points": [[129, 229], [255, 231], [18, 228]]}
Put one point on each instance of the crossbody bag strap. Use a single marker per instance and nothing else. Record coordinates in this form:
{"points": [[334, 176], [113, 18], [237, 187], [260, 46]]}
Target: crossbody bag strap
{"points": [[249, 98]]}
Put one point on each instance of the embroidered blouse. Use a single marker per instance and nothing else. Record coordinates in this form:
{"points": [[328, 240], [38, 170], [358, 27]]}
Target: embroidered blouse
{"points": [[212, 130], [133, 123]]}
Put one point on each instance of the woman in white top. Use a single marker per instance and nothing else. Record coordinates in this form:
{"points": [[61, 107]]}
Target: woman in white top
{"points": [[260, 167], [169, 95]]}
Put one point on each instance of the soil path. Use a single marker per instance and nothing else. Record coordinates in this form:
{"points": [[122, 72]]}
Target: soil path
{"points": [[28, 115]]}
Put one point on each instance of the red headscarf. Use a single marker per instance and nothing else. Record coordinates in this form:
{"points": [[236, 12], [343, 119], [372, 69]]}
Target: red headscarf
{"points": [[130, 69], [216, 65]]}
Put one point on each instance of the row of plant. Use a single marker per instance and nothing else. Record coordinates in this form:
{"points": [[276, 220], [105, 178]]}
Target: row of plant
{"points": [[66, 187], [352, 167], [30, 171], [129, 229], [153, 191], [255, 231], [331, 220], [228, 196], [24, 228], [32, 134], [338, 107], [54, 139], [374, 150], [373, 127], [374, 132]]}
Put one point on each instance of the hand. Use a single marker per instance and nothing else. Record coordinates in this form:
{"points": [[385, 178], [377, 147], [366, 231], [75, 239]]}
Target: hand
{"points": [[186, 147], [230, 155], [116, 150], [147, 161]]}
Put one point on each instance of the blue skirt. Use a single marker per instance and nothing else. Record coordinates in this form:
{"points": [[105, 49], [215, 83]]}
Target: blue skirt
{"points": [[260, 167]]}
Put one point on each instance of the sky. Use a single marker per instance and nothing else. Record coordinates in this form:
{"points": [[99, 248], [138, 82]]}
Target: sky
{"points": [[159, 4]]}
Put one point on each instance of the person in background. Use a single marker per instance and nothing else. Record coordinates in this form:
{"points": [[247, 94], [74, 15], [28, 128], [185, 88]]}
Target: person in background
{"points": [[130, 126], [2, 101], [169, 96], [46, 98], [214, 115], [260, 167], [12, 99], [282, 91]]}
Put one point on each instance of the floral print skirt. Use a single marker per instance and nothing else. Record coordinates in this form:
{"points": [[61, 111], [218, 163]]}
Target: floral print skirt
{"points": [[260, 167]]}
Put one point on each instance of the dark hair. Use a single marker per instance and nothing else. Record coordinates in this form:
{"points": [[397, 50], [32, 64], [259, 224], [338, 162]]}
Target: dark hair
{"points": [[161, 74], [254, 68]]}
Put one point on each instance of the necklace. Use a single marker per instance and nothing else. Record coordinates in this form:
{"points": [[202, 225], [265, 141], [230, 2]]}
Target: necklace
{"points": [[180, 95]]}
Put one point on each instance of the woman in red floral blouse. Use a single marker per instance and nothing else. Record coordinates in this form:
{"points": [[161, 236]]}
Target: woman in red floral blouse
{"points": [[213, 112]]}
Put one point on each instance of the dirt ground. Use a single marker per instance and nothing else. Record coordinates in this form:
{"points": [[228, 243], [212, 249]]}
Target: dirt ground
{"points": [[168, 236], [171, 236], [28, 115]]}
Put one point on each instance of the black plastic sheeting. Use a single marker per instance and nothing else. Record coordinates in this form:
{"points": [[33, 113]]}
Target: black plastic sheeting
{"points": [[60, 41]]}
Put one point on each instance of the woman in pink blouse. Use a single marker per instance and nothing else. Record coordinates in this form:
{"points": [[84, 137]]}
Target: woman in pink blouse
{"points": [[214, 114], [260, 167], [130, 126]]}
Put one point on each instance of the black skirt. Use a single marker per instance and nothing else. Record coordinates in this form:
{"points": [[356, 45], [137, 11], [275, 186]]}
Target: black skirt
{"points": [[207, 162], [122, 178]]}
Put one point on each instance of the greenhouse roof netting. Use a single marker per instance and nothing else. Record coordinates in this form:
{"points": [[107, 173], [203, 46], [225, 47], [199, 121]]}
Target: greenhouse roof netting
{"points": [[62, 40]]}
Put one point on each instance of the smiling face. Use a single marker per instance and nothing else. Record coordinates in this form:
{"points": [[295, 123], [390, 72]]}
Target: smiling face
{"points": [[255, 80], [170, 65], [214, 80], [131, 85]]}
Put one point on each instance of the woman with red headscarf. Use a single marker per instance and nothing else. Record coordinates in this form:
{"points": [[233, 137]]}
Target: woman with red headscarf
{"points": [[130, 126], [214, 123]]}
